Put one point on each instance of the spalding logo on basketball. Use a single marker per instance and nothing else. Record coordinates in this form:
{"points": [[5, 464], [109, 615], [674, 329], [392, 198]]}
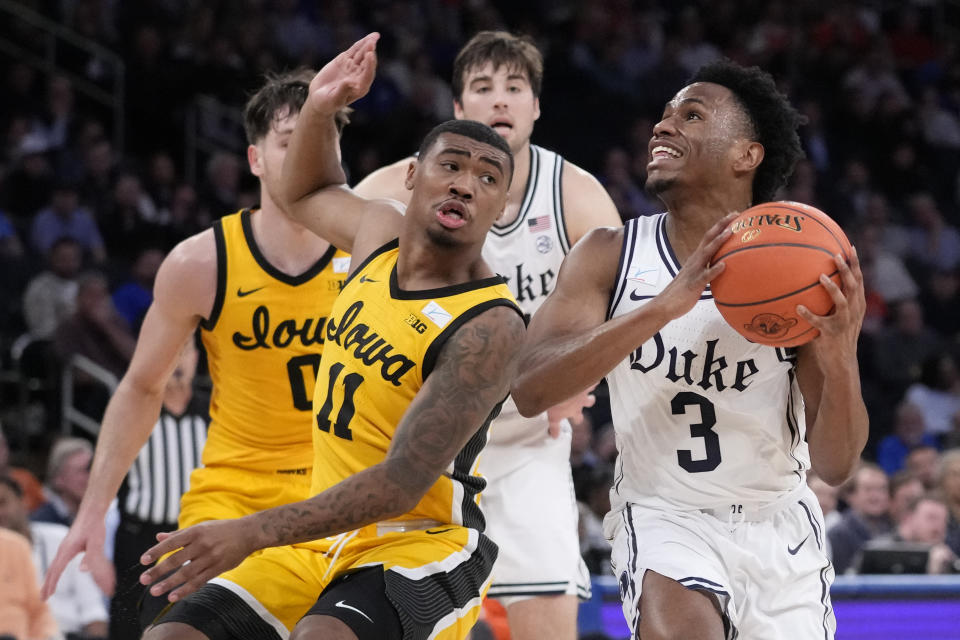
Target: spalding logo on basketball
{"points": [[774, 259]]}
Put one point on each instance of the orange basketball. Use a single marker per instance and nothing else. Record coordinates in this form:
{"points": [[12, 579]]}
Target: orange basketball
{"points": [[773, 263]]}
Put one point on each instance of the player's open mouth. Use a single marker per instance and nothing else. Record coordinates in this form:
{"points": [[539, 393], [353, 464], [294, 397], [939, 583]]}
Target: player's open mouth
{"points": [[452, 214], [501, 126], [662, 151]]}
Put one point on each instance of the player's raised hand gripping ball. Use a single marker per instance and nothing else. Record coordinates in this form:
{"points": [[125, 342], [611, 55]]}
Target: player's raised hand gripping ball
{"points": [[774, 259]]}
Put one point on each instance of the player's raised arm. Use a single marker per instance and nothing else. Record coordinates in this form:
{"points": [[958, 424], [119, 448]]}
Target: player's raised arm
{"points": [[183, 294], [472, 375], [569, 346], [312, 188]]}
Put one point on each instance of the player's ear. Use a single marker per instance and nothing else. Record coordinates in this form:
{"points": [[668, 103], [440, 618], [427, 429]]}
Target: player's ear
{"points": [[749, 155], [457, 109], [536, 109], [253, 159], [411, 171]]}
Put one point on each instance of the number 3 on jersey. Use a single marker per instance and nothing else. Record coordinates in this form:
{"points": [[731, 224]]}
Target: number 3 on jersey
{"points": [[703, 429], [351, 381]]}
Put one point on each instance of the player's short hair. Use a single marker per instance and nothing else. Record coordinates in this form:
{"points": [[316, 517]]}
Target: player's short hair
{"points": [[281, 95], [503, 49], [773, 118], [471, 129]]}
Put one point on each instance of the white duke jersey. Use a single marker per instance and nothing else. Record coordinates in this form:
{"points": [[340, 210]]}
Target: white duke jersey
{"points": [[704, 418], [527, 253]]}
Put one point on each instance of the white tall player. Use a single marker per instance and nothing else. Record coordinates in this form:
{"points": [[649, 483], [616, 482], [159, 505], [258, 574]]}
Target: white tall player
{"points": [[528, 503], [715, 534]]}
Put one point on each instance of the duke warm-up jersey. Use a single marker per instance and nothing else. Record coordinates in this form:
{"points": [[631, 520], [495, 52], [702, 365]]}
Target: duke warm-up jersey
{"points": [[703, 416], [381, 344], [263, 342], [527, 253]]}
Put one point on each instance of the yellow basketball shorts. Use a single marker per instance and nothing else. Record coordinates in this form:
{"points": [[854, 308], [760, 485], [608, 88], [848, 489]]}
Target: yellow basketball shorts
{"points": [[218, 493], [435, 578]]}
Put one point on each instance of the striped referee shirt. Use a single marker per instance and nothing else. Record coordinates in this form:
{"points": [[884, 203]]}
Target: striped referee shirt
{"points": [[161, 473]]}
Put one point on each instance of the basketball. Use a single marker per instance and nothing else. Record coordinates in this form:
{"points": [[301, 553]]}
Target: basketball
{"points": [[773, 263]]}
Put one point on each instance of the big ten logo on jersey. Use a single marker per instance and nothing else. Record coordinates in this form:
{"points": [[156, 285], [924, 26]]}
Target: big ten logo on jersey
{"points": [[368, 346], [528, 287], [708, 371], [418, 325], [335, 285]]}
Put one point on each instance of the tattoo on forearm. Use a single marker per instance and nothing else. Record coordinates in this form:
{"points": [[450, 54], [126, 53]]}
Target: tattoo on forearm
{"points": [[472, 375]]}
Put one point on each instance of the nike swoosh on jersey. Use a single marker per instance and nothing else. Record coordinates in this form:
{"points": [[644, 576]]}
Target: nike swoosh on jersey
{"points": [[364, 278], [794, 550], [242, 294], [343, 605], [636, 296], [435, 531]]}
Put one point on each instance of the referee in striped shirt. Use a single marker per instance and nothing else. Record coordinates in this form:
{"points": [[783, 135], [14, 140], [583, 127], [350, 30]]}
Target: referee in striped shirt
{"points": [[149, 499]]}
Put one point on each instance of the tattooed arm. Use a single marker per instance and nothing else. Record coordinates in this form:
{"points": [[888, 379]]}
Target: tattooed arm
{"points": [[472, 375]]}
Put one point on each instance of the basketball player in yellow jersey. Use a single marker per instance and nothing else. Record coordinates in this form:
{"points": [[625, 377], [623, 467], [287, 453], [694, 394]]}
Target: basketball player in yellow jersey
{"points": [[260, 286], [417, 360], [497, 78]]}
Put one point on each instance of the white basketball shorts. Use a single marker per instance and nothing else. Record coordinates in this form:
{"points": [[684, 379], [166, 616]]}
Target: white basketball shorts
{"points": [[770, 573], [531, 514]]}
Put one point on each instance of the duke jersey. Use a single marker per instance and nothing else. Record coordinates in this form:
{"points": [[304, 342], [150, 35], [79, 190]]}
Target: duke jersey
{"points": [[263, 341], [527, 253], [703, 417], [381, 344]]}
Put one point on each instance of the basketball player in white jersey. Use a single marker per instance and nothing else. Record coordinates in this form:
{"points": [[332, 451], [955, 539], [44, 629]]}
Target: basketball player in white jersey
{"points": [[714, 531], [529, 502]]}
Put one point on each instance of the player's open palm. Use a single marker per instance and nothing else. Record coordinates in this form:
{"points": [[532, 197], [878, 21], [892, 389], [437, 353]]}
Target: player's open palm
{"points": [[839, 329], [205, 551], [347, 77], [84, 537], [685, 289]]}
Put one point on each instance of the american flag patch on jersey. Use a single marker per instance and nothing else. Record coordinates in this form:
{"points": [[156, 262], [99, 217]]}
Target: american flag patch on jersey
{"points": [[538, 224]]}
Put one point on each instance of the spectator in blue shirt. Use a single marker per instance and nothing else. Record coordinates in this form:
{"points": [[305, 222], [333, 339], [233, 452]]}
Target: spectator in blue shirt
{"points": [[908, 434], [133, 298], [66, 218]]}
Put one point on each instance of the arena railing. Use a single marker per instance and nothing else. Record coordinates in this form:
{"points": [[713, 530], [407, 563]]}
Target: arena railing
{"points": [[34, 39], [71, 415]]}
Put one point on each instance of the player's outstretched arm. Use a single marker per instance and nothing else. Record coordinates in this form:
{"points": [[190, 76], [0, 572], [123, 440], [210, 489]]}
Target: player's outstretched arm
{"points": [[569, 344], [183, 293], [471, 376], [312, 185], [829, 378]]}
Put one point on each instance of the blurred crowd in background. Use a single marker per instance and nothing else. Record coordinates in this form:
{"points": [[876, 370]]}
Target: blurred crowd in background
{"points": [[90, 201]]}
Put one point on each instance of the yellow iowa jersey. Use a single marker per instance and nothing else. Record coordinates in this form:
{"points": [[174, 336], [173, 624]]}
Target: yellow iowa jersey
{"points": [[263, 342], [381, 344]]}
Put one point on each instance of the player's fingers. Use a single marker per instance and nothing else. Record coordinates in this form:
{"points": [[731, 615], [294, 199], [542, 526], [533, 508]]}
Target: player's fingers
{"points": [[855, 265], [835, 293], [714, 271], [54, 570], [817, 322], [591, 400], [166, 542], [169, 564], [104, 575]]}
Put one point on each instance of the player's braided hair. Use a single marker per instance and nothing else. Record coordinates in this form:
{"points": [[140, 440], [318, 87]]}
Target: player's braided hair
{"points": [[773, 118]]}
